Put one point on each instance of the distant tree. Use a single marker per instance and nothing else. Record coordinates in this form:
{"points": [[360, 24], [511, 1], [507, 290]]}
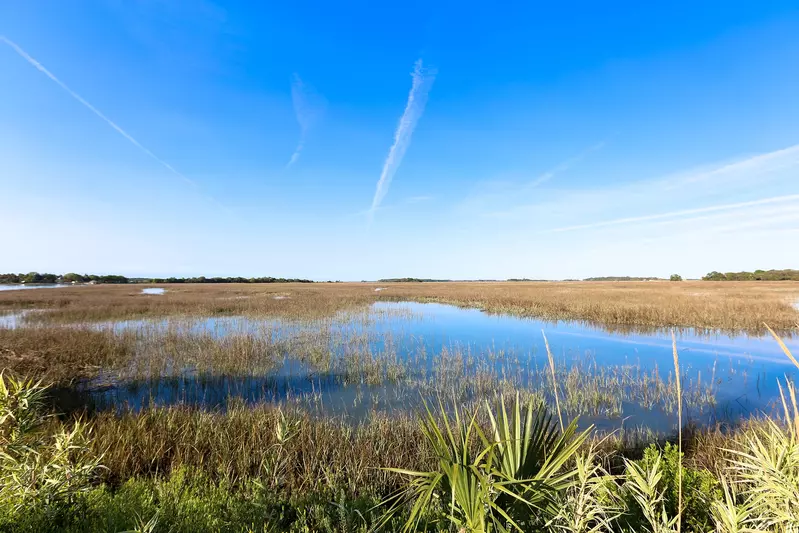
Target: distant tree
{"points": [[757, 275], [675, 277], [32, 277], [49, 278]]}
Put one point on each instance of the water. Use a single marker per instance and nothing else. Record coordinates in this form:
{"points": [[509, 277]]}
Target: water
{"points": [[19, 287], [329, 366], [153, 290]]}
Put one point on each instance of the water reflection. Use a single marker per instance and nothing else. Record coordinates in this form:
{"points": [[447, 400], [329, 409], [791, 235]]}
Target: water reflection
{"points": [[393, 355], [22, 286]]}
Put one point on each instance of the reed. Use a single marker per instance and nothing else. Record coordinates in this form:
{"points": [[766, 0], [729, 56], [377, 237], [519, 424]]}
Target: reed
{"points": [[732, 307]]}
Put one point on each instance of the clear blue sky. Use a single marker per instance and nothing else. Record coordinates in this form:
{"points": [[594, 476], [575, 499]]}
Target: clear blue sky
{"points": [[357, 140]]}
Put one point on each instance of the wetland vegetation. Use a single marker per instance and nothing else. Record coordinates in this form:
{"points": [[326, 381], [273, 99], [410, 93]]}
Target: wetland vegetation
{"points": [[337, 407]]}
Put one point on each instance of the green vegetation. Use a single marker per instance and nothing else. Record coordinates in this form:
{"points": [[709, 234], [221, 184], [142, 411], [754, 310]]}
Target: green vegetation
{"points": [[757, 275], [203, 279], [498, 468], [492, 457], [36, 277], [72, 277], [30, 277], [675, 277]]}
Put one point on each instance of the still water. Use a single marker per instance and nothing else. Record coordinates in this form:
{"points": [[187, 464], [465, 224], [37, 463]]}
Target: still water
{"points": [[627, 377], [153, 290], [739, 372], [21, 286]]}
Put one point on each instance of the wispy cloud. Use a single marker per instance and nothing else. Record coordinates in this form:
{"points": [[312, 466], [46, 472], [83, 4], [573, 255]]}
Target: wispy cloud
{"points": [[423, 79], [411, 200], [566, 165], [602, 203], [22, 53], [308, 108], [679, 213], [418, 199]]}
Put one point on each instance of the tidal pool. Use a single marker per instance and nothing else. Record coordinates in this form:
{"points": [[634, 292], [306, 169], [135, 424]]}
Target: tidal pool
{"points": [[403, 352], [391, 356], [23, 286], [153, 290]]}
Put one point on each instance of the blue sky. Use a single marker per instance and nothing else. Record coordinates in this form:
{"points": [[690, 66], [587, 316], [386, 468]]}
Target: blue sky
{"points": [[360, 140]]}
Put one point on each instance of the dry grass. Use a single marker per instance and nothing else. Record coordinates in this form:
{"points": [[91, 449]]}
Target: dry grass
{"points": [[734, 306], [725, 306], [59, 355]]}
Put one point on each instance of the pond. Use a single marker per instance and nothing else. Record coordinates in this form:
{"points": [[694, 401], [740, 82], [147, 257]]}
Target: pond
{"points": [[392, 355], [153, 290], [23, 286]]}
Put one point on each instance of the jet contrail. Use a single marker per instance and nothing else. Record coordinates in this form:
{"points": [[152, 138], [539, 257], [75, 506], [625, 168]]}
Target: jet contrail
{"points": [[422, 81], [566, 165], [303, 113], [22, 53], [708, 209]]}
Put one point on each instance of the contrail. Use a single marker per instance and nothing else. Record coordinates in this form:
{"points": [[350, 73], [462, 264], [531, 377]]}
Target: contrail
{"points": [[24, 55], [422, 82], [708, 209], [303, 112], [546, 176]]}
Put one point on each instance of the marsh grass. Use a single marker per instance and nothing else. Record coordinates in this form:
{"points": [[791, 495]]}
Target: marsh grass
{"points": [[179, 459], [623, 306], [60, 355], [283, 451], [312, 361]]}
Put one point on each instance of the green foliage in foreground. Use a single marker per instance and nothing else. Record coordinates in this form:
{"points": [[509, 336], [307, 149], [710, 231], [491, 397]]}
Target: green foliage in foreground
{"points": [[190, 503], [521, 473]]}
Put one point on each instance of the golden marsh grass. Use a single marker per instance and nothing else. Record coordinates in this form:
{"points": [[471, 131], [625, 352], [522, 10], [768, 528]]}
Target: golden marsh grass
{"points": [[728, 306]]}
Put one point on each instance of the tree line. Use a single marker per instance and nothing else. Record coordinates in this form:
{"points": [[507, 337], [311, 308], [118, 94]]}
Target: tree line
{"points": [[72, 277], [203, 279], [37, 277], [757, 275]]}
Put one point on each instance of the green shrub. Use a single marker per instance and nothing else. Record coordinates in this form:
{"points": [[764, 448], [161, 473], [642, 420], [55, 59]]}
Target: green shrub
{"points": [[700, 489]]}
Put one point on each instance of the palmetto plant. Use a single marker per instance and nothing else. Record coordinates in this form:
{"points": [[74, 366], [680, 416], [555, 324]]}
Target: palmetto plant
{"points": [[500, 482], [530, 447], [765, 468]]}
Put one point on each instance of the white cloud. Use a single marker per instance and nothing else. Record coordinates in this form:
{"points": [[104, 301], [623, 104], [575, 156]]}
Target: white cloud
{"points": [[308, 108], [22, 53], [682, 213], [417, 98], [563, 167]]}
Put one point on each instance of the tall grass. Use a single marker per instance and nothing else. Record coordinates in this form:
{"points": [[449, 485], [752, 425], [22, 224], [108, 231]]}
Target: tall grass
{"points": [[757, 489], [623, 306]]}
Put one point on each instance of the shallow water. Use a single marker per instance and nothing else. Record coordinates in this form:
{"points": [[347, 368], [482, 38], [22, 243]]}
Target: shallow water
{"points": [[19, 287], [442, 348], [153, 290]]}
